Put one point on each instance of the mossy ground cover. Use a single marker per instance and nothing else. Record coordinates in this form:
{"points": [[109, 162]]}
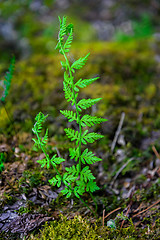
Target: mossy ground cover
{"points": [[128, 176]]}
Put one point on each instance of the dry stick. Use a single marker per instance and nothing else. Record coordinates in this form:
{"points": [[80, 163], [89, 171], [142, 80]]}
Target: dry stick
{"points": [[109, 213], [118, 131], [146, 209], [126, 213], [59, 155], [120, 170], [155, 151], [103, 216]]}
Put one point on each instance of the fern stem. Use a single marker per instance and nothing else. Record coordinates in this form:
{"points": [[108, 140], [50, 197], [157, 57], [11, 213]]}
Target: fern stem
{"points": [[47, 157], [94, 213], [78, 115], [93, 200]]}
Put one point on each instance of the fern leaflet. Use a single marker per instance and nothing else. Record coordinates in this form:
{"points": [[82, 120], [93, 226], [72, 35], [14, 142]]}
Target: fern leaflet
{"points": [[89, 157], [86, 103], [91, 186], [7, 80], [82, 83], [72, 134], [90, 137], [70, 115], [79, 63], [89, 121]]}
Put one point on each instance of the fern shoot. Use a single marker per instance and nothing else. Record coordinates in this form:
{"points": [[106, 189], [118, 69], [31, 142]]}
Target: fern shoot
{"points": [[78, 178], [6, 83]]}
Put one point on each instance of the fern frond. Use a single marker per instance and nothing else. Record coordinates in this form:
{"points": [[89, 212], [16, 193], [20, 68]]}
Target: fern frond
{"points": [[90, 137], [40, 118], [74, 153], [67, 191], [63, 27], [56, 160], [7, 79], [64, 65], [45, 138], [67, 79], [42, 162], [67, 92], [91, 186], [72, 134], [89, 157], [55, 181], [68, 42], [86, 174], [80, 188], [89, 121], [82, 83], [78, 64], [70, 115], [86, 103]]}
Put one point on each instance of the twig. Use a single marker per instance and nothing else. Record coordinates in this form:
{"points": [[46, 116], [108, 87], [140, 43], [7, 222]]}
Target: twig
{"points": [[120, 170], [109, 213], [112, 212], [126, 213], [155, 151], [118, 131], [146, 209], [103, 216], [59, 155]]}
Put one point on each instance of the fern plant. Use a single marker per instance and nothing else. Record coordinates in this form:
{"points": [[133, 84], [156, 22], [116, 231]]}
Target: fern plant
{"points": [[78, 178], [6, 83]]}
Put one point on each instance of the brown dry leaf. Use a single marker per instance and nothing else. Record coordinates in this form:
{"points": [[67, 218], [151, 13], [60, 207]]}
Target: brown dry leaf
{"points": [[47, 193]]}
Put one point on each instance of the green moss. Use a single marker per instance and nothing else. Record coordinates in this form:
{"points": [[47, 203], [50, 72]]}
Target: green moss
{"points": [[80, 228], [124, 74]]}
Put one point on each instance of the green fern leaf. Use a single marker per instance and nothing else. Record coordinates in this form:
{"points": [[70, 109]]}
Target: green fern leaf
{"points": [[89, 157], [66, 191], [40, 118], [80, 189], [79, 63], [67, 92], [89, 121], [82, 83], [7, 80], [36, 142], [91, 186], [44, 139], [63, 27], [90, 137], [69, 178], [72, 134], [86, 103], [86, 174], [56, 160], [42, 162], [68, 42], [70, 115], [53, 181], [56, 181], [64, 65], [74, 153], [68, 79]]}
